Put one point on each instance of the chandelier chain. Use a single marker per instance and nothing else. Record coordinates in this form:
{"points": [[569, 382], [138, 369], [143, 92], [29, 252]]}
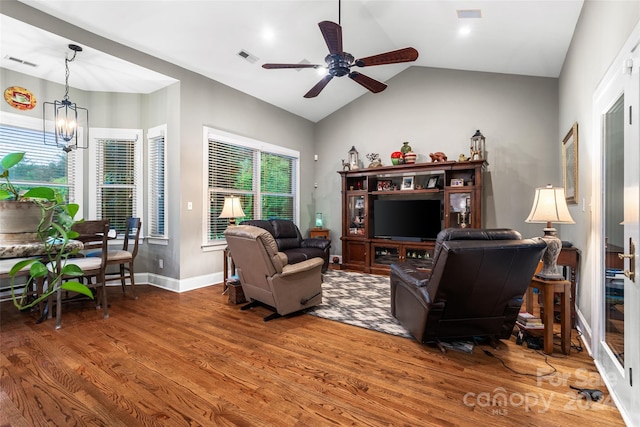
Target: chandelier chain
{"points": [[66, 73]]}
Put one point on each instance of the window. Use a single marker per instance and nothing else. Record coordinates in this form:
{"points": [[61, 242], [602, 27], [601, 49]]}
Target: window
{"points": [[157, 196], [116, 179], [264, 176], [43, 165]]}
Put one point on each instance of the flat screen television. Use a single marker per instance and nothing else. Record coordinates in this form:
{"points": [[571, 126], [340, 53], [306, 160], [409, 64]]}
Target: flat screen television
{"points": [[413, 220]]}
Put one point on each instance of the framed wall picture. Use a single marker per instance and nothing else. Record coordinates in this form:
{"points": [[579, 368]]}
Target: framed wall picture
{"points": [[457, 182], [433, 182], [407, 183], [570, 165]]}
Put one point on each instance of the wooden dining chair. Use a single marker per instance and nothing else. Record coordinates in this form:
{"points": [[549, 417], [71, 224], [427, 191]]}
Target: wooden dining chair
{"points": [[94, 235], [125, 257]]}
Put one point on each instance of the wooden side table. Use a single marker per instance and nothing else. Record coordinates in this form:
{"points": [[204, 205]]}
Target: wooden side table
{"points": [[319, 233], [549, 288], [225, 274], [569, 258]]}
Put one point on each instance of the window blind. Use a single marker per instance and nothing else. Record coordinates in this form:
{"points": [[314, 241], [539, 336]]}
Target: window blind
{"points": [[116, 179], [42, 165], [157, 199], [265, 181]]}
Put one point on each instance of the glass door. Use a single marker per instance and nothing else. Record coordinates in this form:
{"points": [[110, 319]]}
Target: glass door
{"points": [[356, 212], [459, 208], [613, 121], [616, 293]]}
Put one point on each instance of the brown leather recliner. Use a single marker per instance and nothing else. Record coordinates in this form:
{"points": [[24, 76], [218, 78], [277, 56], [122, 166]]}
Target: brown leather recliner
{"points": [[474, 289], [267, 278], [290, 241]]}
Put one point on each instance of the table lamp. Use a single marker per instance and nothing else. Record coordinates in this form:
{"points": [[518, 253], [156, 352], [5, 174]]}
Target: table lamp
{"points": [[549, 206], [232, 209]]}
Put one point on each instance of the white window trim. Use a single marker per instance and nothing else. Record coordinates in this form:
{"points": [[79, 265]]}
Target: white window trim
{"points": [[209, 133], [152, 133], [33, 123], [96, 134]]}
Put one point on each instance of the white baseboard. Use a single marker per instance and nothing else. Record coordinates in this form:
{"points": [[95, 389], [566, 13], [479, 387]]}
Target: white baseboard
{"points": [[179, 285], [585, 330]]}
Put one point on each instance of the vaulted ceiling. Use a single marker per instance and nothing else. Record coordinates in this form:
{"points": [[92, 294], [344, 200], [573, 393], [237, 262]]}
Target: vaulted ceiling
{"points": [[206, 36]]}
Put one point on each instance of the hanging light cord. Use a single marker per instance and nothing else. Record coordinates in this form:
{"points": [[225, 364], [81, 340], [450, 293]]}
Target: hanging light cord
{"points": [[75, 49], [66, 74]]}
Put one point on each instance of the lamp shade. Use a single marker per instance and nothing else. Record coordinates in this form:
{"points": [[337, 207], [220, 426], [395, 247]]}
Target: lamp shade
{"points": [[232, 208], [549, 205]]}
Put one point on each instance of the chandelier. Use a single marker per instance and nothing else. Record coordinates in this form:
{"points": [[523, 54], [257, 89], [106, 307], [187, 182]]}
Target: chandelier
{"points": [[67, 116]]}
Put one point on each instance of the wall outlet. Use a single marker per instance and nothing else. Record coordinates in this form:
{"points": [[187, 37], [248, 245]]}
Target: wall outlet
{"points": [[160, 263]]}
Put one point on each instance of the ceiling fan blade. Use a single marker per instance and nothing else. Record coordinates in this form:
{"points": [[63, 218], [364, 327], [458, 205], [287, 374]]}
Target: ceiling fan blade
{"points": [[367, 82], [332, 34], [278, 66], [318, 87], [408, 54]]}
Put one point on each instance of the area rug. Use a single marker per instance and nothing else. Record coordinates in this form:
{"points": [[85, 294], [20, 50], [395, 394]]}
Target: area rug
{"points": [[358, 299]]}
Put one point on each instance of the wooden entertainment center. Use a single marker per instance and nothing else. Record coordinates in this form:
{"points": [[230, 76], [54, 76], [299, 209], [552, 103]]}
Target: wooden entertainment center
{"points": [[457, 185]]}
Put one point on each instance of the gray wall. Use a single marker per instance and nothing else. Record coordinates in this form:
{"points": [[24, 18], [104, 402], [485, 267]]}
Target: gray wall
{"points": [[601, 31], [439, 110], [195, 102]]}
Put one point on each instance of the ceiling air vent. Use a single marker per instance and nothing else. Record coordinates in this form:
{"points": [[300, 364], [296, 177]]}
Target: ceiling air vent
{"points": [[469, 13], [20, 61], [249, 57]]}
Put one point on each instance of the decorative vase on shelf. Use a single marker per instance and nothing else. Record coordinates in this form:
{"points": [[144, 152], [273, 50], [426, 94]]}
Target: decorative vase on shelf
{"points": [[406, 148], [396, 158], [410, 157]]}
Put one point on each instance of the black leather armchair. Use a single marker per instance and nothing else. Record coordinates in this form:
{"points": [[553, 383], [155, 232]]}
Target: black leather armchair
{"points": [[290, 241], [474, 289]]}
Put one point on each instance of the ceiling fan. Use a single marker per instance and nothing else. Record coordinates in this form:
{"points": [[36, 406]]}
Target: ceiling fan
{"points": [[339, 62]]}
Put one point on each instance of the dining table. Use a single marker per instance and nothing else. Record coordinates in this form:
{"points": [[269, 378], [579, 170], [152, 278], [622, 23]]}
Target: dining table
{"points": [[35, 249]]}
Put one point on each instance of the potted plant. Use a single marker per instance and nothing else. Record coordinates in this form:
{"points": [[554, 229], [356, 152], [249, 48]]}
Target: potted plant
{"points": [[53, 228]]}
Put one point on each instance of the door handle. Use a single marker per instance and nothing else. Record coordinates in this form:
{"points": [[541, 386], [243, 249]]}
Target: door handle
{"points": [[631, 272]]}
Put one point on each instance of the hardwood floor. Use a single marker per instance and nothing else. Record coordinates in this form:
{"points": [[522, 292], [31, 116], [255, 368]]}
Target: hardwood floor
{"points": [[171, 359]]}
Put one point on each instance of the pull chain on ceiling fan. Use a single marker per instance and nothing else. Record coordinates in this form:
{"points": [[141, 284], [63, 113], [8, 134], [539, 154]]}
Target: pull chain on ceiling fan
{"points": [[339, 62]]}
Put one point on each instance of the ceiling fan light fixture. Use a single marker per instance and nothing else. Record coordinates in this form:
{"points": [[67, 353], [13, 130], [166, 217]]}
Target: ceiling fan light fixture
{"points": [[339, 62]]}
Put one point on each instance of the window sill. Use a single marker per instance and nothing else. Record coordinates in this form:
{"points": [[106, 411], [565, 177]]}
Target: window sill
{"points": [[163, 241]]}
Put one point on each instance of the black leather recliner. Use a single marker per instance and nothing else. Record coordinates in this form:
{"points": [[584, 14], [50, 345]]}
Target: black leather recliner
{"points": [[474, 289], [290, 241]]}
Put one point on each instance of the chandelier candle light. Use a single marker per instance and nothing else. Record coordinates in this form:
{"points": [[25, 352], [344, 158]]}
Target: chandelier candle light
{"points": [[549, 206], [67, 116], [232, 209]]}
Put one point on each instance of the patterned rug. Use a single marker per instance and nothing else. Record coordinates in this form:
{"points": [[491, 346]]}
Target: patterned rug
{"points": [[358, 299]]}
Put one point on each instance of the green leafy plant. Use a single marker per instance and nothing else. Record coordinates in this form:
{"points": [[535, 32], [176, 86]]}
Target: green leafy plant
{"points": [[54, 265]]}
